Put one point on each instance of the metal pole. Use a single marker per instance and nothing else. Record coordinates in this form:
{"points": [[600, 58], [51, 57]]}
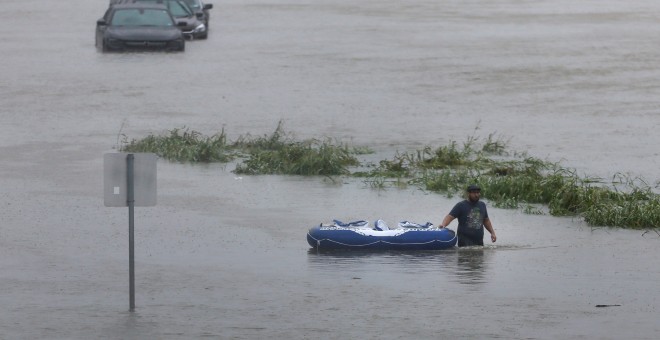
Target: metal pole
{"points": [[131, 239]]}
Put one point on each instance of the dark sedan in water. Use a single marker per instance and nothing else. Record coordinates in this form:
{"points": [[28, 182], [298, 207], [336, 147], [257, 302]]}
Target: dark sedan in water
{"points": [[138, 27]]}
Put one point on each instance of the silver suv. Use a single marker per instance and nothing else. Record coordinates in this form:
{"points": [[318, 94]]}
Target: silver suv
{"points": [[200, 7]]}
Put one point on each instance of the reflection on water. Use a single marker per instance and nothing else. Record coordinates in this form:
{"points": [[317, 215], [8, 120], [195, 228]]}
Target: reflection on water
{"points": [[462, 265], [322, 257], [401, 261], [470, 265]]}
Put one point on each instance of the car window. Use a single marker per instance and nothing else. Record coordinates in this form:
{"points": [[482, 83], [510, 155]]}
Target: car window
{"points": [[141, 17]]}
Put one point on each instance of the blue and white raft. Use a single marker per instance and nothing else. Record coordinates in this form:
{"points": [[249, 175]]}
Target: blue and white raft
{"points": [[358, 235]]}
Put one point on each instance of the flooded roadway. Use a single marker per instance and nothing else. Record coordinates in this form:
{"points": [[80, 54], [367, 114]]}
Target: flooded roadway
{"points": [[225, 257]]}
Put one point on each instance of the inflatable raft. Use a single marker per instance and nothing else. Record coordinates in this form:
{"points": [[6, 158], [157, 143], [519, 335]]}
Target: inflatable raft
{"points": [[358, 235]]}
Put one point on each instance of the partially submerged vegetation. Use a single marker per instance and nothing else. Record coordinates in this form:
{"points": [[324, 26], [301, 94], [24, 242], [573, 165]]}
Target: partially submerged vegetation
{"points": [[515, 181], [519, 181], [278, 153], [283, 155], [185, 146]]}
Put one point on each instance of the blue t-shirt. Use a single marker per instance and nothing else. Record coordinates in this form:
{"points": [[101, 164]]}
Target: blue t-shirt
{"points": [[471, 218]]}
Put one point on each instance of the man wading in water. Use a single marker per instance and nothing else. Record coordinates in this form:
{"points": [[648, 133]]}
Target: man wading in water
{"points": [[472, 218]]}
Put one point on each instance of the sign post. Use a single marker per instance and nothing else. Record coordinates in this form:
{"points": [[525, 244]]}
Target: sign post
{"points": [[129, 180], [130, 194]]}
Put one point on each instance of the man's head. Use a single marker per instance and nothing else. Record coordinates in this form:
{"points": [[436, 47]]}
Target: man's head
{"points": [[474, 192]]}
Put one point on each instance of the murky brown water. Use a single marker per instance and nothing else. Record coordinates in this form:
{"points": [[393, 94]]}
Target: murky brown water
{"points": [[223, 256]]}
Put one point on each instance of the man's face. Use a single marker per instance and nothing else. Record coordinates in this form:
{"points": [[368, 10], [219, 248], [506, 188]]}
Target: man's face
{"points": [[474, 195]]}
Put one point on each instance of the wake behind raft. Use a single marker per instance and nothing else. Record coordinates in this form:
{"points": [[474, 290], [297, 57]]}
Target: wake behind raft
{"points": [[358, 235]]}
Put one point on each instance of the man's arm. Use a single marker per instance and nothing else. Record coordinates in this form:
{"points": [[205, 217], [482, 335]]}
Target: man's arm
{"points": [[446, 221], [489, 227]]}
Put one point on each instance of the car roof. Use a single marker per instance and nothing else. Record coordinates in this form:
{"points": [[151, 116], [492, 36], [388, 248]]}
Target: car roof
{"points": [[165, 3], [135, 2], [118, 2]]}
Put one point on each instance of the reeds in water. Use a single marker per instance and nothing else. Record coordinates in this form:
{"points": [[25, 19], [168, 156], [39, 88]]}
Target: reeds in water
{"points": [[183, 145], [515, 182], [525, 182], [276, 153]]}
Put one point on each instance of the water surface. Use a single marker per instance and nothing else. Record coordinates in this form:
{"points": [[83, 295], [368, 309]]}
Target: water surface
{"points": [[224, 256]]}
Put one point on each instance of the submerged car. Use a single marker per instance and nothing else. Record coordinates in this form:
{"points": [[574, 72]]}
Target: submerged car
{"points": [[194, 27], [200, 7], [138, 27]]}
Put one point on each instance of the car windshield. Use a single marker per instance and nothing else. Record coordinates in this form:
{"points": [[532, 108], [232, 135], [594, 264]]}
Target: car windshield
{"points": [[179, 9], [194, 4], [141, 17]]}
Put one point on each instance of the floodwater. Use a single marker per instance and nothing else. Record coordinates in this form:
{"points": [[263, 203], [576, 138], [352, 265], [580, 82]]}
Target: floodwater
{"points": [[225, 257]]}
